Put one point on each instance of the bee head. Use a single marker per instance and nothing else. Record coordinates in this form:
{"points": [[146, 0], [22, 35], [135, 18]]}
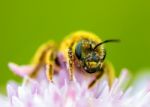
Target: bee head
{"points": [[91, 55]]}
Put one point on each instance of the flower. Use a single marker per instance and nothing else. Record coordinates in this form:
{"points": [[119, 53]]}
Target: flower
{"points": [[64, 93]]}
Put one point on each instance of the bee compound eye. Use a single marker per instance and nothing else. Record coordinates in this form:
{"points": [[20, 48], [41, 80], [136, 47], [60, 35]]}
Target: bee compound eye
{"points": [[78, 50]]}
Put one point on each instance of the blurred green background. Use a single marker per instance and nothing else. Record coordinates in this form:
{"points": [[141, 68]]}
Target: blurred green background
{"points": [[25, 24]]}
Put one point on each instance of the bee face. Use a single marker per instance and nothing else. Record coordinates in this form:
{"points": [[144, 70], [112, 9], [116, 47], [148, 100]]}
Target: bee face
{"points": [[90, 59]]}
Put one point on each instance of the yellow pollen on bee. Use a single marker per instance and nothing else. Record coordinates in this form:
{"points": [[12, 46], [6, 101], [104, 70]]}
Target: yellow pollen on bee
{"points": [[92, 64]]}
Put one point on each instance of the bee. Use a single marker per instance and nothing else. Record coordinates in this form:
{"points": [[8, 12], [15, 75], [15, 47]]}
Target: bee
{"points": [[85, 50], [81, 50]]}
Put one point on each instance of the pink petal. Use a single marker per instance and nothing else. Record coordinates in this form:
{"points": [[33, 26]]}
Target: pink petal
{"points": [[20, 70], [12, 89]]}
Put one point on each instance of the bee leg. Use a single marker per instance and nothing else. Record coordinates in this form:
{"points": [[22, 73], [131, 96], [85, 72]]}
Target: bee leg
{"points": [[107, 69], [98, 76], [50, 59], [110, 72], [36, 70], [70, 61], [40, 63]]}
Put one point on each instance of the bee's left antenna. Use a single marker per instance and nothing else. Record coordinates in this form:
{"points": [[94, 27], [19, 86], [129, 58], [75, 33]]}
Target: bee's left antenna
{"points": [[106, 41]]}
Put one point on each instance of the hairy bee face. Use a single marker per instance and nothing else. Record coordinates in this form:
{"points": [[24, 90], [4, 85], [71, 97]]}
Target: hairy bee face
{"points": [[90, 59]]}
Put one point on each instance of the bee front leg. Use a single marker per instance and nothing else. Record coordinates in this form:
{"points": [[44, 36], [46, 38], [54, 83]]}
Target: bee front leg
{"points": [[107, 69], [98, 76], [110, 72], [71, 62]]}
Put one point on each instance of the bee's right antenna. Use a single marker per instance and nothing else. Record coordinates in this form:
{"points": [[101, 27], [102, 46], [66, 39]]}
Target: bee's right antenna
{"points": [[106, 41]]}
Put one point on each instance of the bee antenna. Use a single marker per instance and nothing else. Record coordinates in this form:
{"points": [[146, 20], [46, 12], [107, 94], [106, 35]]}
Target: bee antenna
{"points": [[106, 41]]}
